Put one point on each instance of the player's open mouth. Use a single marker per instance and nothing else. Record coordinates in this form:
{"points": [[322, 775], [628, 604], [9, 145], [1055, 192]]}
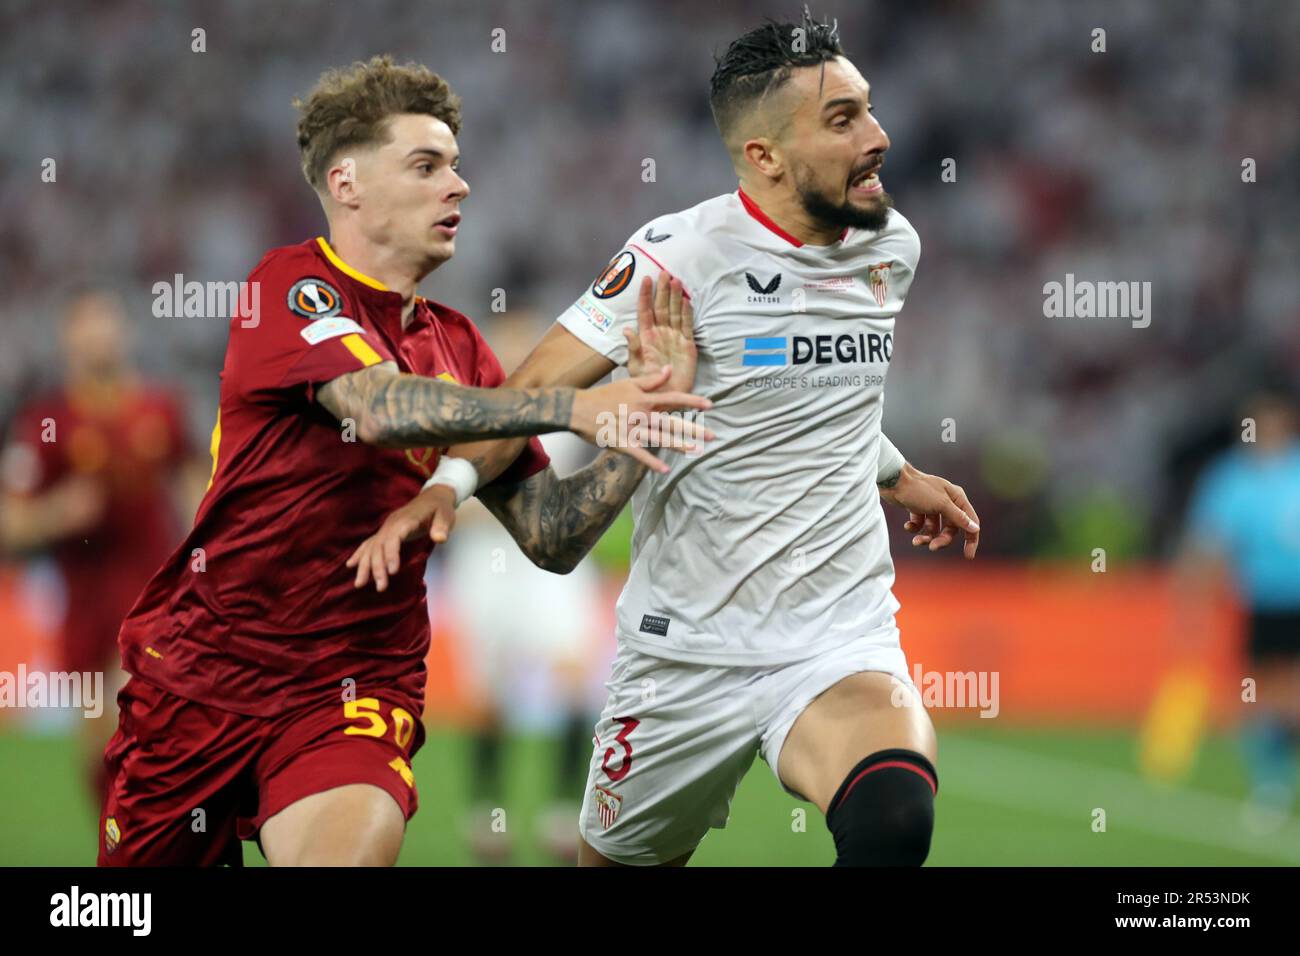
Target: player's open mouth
{"points": [[448, 226], [867, 183]]}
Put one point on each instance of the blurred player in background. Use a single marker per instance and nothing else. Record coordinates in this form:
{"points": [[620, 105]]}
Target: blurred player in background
{"points": [[530, 641], [758, 616], [1244, 525], [96, 474]]}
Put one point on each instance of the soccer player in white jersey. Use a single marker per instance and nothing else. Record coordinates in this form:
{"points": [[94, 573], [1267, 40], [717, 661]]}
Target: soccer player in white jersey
{"points": [[758, 617]]}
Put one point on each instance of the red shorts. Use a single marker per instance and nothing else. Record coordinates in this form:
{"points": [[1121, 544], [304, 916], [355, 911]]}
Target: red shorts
{"points": [[172, 758]]}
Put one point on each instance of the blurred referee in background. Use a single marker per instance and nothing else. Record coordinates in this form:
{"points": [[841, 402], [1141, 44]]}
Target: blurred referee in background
{"points": [[1244, 521]]}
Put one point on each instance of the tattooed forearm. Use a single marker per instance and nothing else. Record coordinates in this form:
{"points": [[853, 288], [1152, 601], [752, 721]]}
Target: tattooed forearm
{"points": [[411, 411], [557, 521], [889, 482]]}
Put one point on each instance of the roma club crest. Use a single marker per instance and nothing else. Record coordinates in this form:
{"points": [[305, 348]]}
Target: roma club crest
{"points": [[878, 279]]}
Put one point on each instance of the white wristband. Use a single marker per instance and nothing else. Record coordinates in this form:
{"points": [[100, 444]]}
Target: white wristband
{"points": [[459, 474], [890, 462]]}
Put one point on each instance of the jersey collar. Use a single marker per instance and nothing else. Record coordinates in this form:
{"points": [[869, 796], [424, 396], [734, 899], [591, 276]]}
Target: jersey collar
{"points": [[751, 207], [372, 288], [346, 269]]}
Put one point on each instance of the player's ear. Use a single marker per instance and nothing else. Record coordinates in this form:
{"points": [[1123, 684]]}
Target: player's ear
{"points": [[341, 181], [761, 154]]}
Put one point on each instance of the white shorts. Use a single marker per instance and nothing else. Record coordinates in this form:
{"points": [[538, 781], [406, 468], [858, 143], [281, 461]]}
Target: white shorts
{"points": [[675, 739]]}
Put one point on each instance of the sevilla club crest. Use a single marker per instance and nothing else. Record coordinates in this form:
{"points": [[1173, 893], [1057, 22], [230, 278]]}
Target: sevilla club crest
{"points": [[878, 279], [608, 803]]}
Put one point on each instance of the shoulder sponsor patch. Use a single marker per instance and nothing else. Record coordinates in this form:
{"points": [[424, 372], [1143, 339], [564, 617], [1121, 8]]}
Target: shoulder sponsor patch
{"points": [[594, 313], [314, 298], [323, 329], [616, 277]]}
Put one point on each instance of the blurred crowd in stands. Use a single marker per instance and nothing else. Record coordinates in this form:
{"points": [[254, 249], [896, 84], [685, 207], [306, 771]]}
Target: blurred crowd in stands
{"points": [[1122, 165]]}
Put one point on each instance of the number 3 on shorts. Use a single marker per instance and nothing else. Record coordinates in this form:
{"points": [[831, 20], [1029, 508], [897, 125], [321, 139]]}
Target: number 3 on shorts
{"points": [[367, 708], [618, 773]]}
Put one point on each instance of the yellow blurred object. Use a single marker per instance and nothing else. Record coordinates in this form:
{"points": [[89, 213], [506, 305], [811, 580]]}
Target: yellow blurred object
{"points": [[1175, 724]]}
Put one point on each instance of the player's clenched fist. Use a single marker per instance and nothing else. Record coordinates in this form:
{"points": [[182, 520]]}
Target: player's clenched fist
{"points": [[629, 415]]}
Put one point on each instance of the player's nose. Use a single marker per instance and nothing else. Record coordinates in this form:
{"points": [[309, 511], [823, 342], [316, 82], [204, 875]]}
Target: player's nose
{"points": [[877, 138], [460, 188]]}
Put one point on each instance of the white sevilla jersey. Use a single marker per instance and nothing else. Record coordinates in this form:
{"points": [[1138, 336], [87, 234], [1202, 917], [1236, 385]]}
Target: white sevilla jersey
{"points": [[770, 546]]}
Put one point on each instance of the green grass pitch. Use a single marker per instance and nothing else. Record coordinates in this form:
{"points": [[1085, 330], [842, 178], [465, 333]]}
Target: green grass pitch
{"points": [[1007, 797]]}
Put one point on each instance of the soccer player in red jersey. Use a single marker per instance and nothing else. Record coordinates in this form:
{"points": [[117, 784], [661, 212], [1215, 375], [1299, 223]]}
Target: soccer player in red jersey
{"points": [[268, 697], [94, 474]]}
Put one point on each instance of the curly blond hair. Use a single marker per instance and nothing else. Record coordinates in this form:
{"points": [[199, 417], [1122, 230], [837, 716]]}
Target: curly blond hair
{"points": [[351, 107]]}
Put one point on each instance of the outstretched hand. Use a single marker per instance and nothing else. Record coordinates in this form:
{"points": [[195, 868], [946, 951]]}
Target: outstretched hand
{"points": [[937, 510], [665, 333], [380, 555]]}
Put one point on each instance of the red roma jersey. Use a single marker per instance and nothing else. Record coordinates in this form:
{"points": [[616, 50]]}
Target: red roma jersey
{"points": [[255, 612], [130, 440]]}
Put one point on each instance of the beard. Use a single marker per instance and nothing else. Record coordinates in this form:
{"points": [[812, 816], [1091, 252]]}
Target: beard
{"points": [[841, 215]]}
